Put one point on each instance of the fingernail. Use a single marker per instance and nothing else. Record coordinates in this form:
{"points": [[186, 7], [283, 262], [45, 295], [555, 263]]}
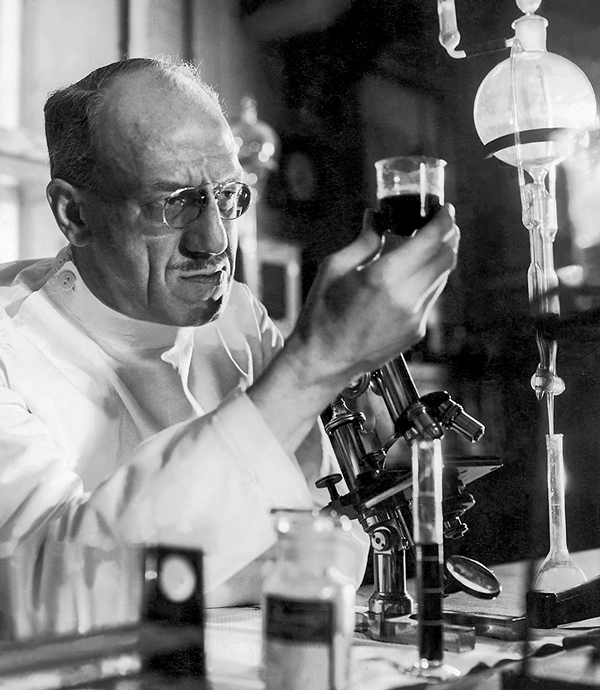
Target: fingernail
{"points": [[451, 234]]}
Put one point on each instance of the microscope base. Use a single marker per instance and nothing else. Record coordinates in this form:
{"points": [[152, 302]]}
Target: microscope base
{"points": [[404, 630], [497, 626]]}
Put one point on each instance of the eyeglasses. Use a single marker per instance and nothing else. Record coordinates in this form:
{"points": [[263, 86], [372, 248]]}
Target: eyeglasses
{"points": [[181, 208]]}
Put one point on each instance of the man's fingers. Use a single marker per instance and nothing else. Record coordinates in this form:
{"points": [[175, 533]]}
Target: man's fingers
{"points": [[411, 270], [427, 255], [430, 296], [363, 250]]}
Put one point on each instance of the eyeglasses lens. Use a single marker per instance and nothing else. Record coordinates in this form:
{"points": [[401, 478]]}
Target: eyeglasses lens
{"points": [[233, 200], [183, 208]]}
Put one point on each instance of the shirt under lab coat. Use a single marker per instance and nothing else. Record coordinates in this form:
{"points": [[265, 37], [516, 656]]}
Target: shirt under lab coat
{"points": [[140, 432]]}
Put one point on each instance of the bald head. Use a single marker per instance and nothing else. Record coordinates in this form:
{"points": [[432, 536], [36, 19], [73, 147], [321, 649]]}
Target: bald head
{"points": [[72, 114], [151, 122]]}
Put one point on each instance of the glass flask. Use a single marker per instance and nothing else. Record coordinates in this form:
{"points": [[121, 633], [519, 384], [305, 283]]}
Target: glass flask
{"points": [[530, 111], [558, 570], [536, 95], [308, 604]]}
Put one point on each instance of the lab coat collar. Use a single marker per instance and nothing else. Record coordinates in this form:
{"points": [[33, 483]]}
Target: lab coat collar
{"points": [[67, 288]]}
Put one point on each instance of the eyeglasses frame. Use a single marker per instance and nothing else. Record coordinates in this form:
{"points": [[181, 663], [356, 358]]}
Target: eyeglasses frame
{"points": [[217, 188]]}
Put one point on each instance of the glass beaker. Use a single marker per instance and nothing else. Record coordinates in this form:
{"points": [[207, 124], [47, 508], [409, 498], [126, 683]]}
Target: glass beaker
{"points": [[410, 190], [308, 604]]}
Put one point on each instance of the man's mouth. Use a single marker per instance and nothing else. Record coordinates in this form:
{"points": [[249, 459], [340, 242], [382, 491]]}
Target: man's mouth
{"points": [[211, 279], [207, 278]]}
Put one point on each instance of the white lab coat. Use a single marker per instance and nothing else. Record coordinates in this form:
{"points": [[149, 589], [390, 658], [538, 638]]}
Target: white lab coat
{"points": [[137, 432]]}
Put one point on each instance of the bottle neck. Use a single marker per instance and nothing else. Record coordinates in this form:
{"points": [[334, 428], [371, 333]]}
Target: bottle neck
{"points": [[530, 31], [317, 554]]}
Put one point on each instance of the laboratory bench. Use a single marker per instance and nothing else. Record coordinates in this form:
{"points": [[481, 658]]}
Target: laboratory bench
{"points": [[558, 658]]}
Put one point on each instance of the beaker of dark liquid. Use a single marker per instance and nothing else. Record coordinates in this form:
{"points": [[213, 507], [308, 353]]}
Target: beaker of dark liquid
{"points": [[410, 191]]}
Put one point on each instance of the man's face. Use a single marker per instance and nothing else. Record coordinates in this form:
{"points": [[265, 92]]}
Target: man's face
{"points": [[153, 140]]}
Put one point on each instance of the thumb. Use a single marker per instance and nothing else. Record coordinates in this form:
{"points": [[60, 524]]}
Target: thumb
{"points": [[365, 248]]}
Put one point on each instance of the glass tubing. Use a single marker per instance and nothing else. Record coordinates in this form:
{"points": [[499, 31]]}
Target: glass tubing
{"points": [[558, 571]]}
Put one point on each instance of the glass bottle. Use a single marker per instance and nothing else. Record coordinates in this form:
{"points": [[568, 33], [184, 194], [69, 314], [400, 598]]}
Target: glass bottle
{"points": [[308, 604]]}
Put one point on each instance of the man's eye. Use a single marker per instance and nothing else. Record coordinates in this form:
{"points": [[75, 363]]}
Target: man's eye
{"points": [[185, 198], [228, 193], [174, 204], [227, 202]]}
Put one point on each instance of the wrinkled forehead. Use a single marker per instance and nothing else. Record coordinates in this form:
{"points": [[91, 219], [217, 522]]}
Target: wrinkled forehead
{"points": [[153, 127]]}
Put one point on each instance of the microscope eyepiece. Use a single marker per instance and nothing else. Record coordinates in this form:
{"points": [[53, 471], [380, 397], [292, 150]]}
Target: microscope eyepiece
{"points": [[451, 415]]}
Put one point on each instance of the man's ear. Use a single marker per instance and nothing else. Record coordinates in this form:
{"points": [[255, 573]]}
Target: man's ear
{"points": [[65, 202]]}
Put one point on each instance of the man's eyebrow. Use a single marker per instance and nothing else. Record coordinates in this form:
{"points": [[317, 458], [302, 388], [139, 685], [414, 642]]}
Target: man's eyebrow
{"points": [[171, 186], [166, 185]]}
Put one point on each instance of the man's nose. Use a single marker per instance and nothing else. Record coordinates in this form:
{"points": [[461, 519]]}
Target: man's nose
{"points": [[207, 234]]}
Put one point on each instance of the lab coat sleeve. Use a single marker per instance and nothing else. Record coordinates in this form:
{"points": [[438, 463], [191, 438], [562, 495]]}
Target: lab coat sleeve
{"points": [[315, 454], [209, 483]]}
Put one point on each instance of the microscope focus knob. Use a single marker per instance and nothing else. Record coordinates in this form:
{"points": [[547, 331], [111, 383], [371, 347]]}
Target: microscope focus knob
{"points": [[381, 539], [454, 528], [455, 503], [328, 482]]}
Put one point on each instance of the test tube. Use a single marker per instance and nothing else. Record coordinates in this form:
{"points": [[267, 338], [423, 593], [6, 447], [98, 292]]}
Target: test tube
{"points": [[428, 537]]}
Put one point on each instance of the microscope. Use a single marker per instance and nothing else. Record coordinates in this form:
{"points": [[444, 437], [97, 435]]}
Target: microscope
{"points": [[379, 497]]}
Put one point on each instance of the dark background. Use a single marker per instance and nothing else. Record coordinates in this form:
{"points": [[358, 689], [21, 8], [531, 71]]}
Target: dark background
{"points": [[346, 92]]}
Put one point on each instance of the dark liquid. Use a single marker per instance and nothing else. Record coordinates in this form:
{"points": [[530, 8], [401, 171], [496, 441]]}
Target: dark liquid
{"points": [[430, 587], [402, 215]]}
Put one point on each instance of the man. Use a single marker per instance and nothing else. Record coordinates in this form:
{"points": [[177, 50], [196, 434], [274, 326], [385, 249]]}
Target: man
{"points": [[145, 396]]}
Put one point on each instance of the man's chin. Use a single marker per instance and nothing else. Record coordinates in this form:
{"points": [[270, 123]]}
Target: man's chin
{"points": [[207, 311], [218, 306], [205, 308]]}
